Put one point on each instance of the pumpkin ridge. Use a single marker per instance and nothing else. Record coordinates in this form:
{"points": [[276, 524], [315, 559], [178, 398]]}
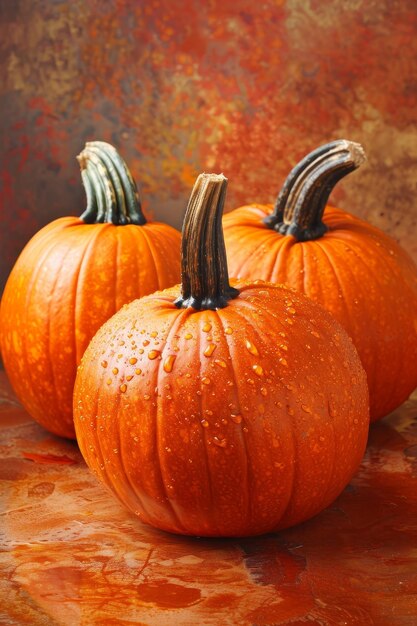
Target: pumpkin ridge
{"points": [[154, 252], [30, 289], [249, 471], [384, 260], [182, 314]]}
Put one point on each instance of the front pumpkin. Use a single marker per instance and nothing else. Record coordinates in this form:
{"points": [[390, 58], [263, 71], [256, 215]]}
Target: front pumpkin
{"points": [[219, 410], [357, 272], [71, 277]]}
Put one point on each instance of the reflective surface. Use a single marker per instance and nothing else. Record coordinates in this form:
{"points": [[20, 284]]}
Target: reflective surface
{"points": [[71, 555]]}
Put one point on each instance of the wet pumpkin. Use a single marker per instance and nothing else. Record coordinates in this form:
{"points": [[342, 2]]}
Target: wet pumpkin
{"points": [[71, 277], [221, 410]]}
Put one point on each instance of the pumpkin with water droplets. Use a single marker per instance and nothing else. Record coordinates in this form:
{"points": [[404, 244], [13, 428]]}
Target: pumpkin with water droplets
{"points": [[71, 277], [357, 272], [221, 410]]}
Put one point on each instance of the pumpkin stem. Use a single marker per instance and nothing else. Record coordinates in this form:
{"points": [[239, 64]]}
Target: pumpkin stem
{"points": [[301, 202], [112, 195], [204, 275]]}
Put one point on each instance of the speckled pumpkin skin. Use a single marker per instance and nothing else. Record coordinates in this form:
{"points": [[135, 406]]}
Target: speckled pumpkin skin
{"points": [[358, 273], [69, 279], [232, 422]]}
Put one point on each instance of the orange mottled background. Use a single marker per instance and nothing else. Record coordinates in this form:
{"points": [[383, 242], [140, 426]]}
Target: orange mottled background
{"points": [[237, 86]]}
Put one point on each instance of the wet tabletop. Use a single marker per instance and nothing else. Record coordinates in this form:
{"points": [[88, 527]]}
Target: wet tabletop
{"points": [[70, 554]]}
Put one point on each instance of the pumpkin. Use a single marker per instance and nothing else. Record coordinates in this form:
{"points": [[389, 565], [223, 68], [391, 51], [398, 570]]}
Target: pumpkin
{"points": [[71, 277], [357, 272], [212, 409]]}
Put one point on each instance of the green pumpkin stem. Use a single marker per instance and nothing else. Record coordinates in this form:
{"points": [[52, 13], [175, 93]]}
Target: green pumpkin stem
{"points": [[301, 202], [112, 195], [204, 275]]}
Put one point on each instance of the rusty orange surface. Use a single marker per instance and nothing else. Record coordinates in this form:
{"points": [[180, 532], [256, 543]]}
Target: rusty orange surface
{"points": [[71, 555]]}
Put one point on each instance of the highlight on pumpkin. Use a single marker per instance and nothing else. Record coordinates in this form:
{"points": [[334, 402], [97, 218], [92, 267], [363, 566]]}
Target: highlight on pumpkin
{"points": [[71, 277], [213, 410], [357, 272]]}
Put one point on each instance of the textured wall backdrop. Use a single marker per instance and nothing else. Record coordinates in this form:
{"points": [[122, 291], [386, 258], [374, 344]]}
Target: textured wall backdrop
{"points": [[179, 87]]}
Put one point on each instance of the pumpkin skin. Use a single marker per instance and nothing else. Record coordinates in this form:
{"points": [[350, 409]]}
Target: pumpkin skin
{"points": [[69, 279], [228, 421], [357, 272]]}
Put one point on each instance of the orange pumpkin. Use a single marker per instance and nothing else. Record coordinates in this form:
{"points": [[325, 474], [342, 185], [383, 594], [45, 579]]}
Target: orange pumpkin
{"points": [[71, 277], [354, 270], [219, 410]]}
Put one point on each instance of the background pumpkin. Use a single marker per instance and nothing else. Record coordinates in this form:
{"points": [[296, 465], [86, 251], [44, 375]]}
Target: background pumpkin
{"points": [[216, 410], [71, 277], [354, 270]]}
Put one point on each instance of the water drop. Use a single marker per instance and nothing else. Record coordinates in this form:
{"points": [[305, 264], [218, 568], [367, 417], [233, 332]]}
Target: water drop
{"points": [[251, 347], [138, 371], [204, 423], [169, 363], [104, 364], [145, 342], [133, 360], [153, 354], [236, 418], [289, 321], [115, 450], [154, 333], [115, 370], [264, 391], [188, 336], [290, 410], [220, 442], [291, 310], [209, 349], [206, 328], [258, 370], [205, 380], [228, 330], [146, 396], [108, 381], [283, 362], [123, 388], [306, 408], [220, 362]]}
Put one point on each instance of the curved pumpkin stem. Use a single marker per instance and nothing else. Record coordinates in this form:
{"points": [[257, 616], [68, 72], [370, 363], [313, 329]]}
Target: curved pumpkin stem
{"points": [[301, 202], [112, 195], [204, 275]]}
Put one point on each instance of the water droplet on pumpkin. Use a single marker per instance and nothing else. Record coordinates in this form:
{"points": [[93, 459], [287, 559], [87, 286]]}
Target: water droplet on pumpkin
{"points": [[138, 371], [119, 356], [315, 333], [188, 336], [204, 423], [291, 310], [206, 328], [264, 391], [115, 370], [258, 370], [250, 381], [356, 421], [245, 429], [154, 333], [133, 360], [209, 349], [220, 442], [146, 396], [141, 350], [205, 380], [220, 362], [321, 438], [228, 330], [283, 362], [289, 321], [121, 343], [108, 381], [236, 418], [123, 388], [251, 347], [306, 408], [129, 378], [169, 363], [145, 342], [116, 451], [104, 364], [284, 347], [290, 410], [153, 354]]}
